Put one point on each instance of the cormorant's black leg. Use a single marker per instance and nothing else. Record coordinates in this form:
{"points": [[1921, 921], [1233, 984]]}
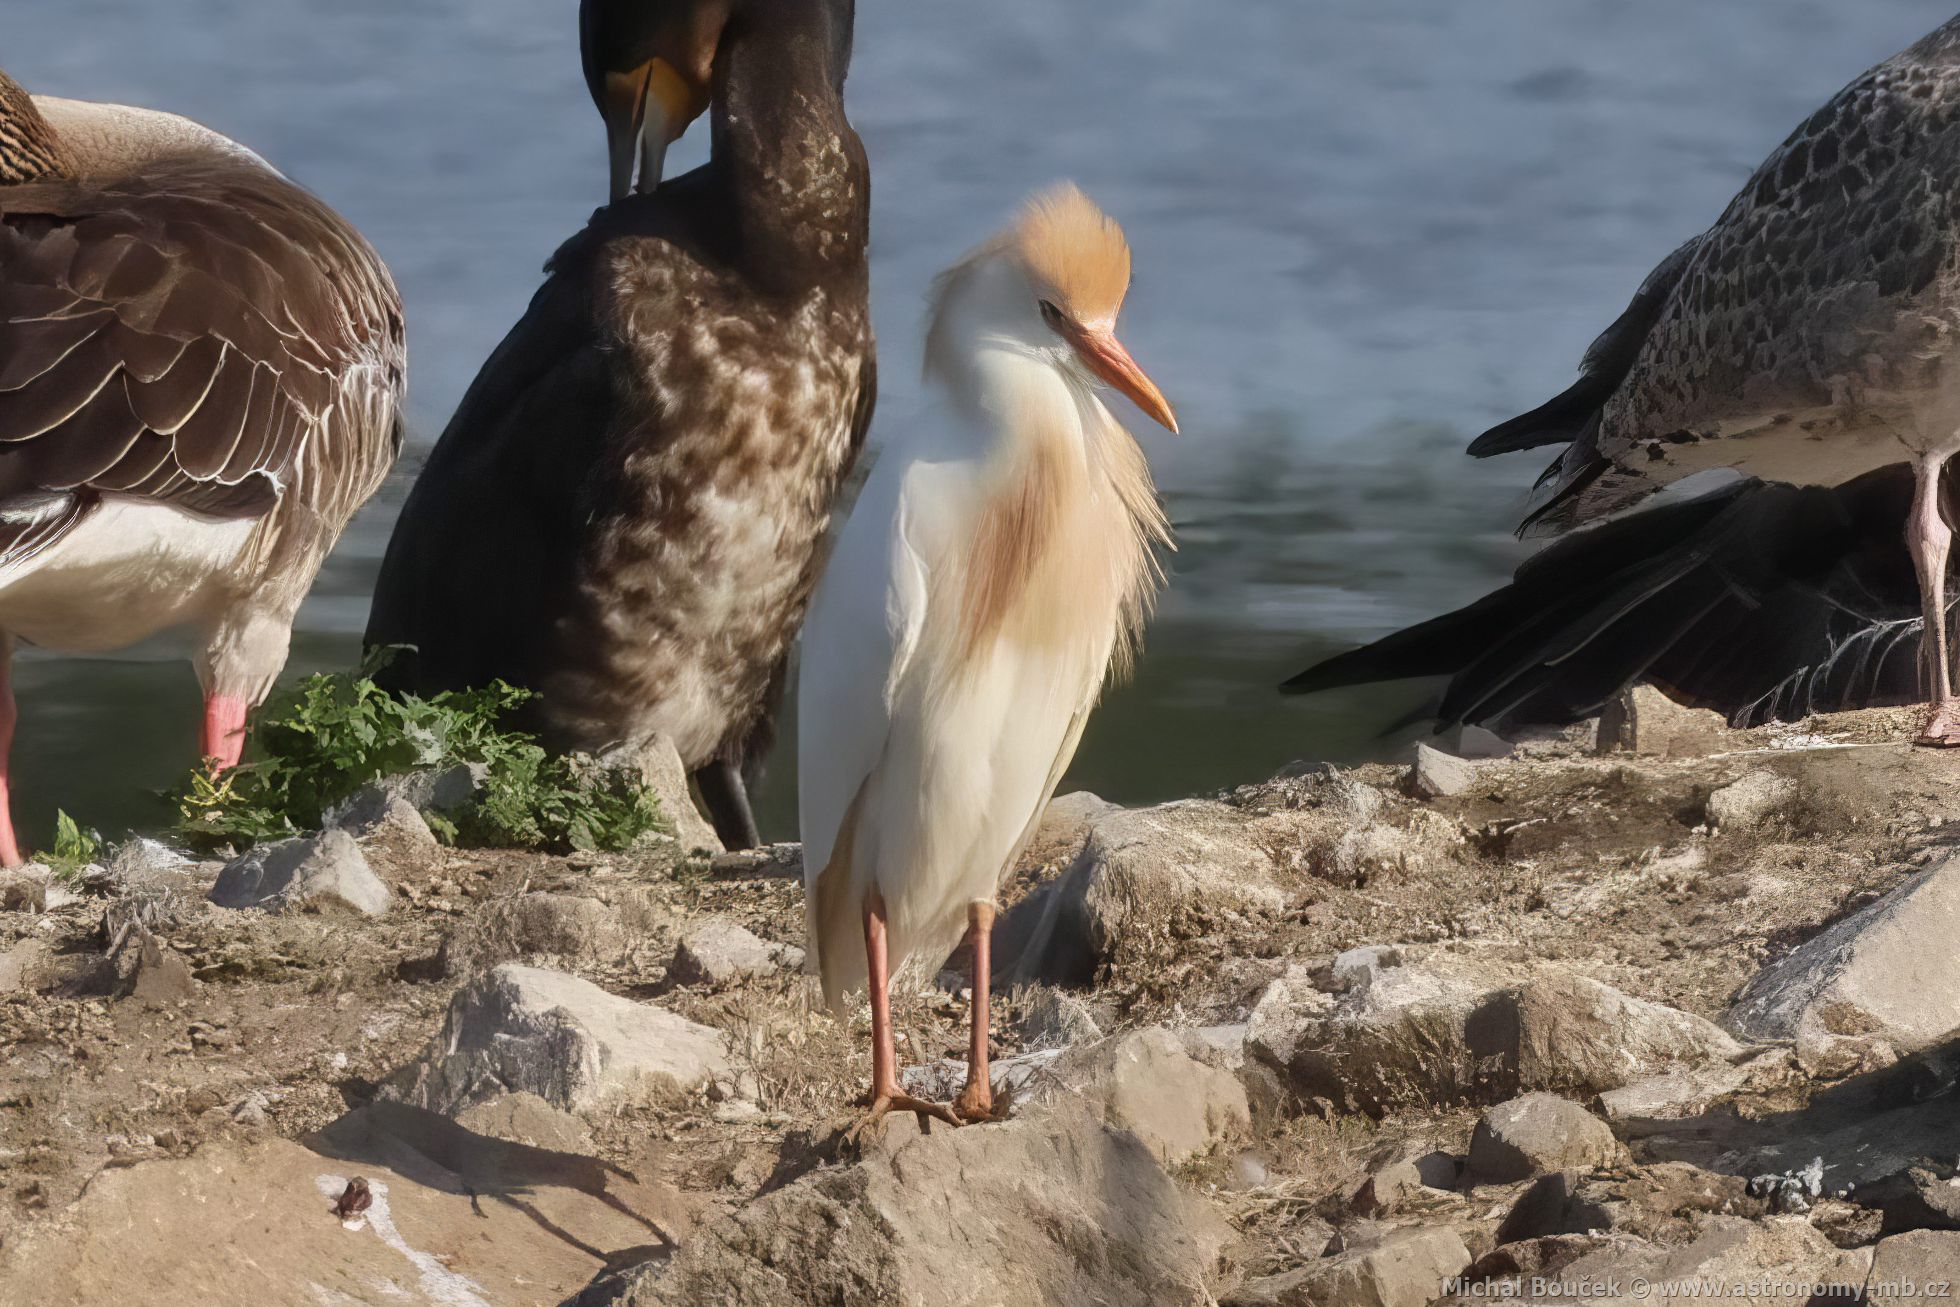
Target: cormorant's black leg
{"points": [[727, 798]]}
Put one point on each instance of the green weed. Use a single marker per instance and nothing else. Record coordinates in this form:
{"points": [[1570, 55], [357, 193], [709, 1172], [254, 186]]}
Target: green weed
{"points": [[74, 848], [316, 744]]}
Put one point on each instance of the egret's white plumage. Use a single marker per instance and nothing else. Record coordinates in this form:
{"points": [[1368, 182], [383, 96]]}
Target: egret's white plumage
{"points": [[1000, 559]]}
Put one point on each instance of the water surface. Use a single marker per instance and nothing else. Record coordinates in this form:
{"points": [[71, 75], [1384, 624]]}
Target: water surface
{"points": [[1364, 230]]}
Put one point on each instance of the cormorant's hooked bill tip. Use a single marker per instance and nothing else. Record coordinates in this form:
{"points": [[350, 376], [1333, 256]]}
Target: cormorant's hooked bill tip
{"points": [[646, 110]]}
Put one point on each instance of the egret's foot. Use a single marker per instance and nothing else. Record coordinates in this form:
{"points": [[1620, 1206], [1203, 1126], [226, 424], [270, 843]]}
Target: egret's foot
{"points": [[1942, 728], [883, 1105], [978, 1102]]}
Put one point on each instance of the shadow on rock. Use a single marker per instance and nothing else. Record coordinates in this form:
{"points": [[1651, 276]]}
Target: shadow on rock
{"points": [[436, 1152]]}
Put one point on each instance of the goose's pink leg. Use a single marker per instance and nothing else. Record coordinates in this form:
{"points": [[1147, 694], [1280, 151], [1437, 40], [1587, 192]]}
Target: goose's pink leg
{"points": [[224, 729], [9, 846]]}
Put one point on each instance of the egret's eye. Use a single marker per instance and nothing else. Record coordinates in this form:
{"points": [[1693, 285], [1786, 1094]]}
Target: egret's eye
{"points": [[1052, 315]]}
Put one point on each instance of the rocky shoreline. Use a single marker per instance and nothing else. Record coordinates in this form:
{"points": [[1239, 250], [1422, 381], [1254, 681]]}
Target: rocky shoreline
{"points": [[1650, 1004]]}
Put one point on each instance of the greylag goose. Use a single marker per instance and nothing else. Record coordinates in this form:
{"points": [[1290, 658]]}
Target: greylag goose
{"points": [[998, 563], [624, 514], [1748, 497], [201, 373]]}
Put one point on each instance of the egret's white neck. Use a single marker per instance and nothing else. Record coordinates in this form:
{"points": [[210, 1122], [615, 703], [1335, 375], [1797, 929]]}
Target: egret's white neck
{"points": [[1011, 377]]}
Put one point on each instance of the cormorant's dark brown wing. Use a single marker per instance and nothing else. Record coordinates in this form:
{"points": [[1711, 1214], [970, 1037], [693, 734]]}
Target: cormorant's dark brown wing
{"points": [[175, 337], [496, 504]]}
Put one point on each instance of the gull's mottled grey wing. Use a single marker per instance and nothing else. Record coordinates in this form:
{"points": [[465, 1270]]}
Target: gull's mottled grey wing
{"points": [[1808, 334]]}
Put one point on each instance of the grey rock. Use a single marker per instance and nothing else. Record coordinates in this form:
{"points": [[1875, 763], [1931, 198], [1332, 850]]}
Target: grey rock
{"points": [[1518, 1262], [1919, 1258], [1053, 1207], [718, 951], [1731, 1250], [1461, 1030], [1384, 1187], [1145, 1082], [1136, 869], [1438, 1169], [27, 966], [1221, 1046], [525, 1118], [444, 790], [1642, 720], [660, 768], [1884, 971], [1752, 801], [1543, 1209], [1054, 1018], [1357, 966], [1916, 1198], [243, 1222], [1406, 1269], [1144, 869], [1067, 821], [1687, 1092], [1349, 800], [1662, 1201], [523, 1029], [1286, 1015], [396, 830], [1578, 1035], [1438, 775], [1535, 1134], [25, 888], [942, 1080], [1410, 1034], [326, 870], [1478, 744]]}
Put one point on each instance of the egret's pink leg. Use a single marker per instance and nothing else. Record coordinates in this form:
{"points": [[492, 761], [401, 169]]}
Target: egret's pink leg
{"points": [[9, 846], [224, 729], [976, 1101], [886, 1096], [1930, 539]]}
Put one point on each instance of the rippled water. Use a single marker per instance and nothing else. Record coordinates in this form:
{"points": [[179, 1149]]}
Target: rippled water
{"points": [[1364, 230]]}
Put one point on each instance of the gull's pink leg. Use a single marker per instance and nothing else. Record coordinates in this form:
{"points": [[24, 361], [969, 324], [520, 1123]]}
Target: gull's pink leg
{"points": [[886, 1096], [976, 1101], [9, 846], [224, 730], [1930, 540]]}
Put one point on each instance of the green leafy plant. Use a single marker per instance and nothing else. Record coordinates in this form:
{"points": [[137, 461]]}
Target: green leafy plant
{"points": [[317, 743], [74, 848]]}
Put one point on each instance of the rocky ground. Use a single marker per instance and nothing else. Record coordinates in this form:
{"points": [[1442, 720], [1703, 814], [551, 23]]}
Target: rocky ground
{"points": [[1627, 1020]]}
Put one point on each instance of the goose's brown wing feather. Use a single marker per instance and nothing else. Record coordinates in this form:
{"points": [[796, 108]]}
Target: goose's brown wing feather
{"points": [[177, 337]]}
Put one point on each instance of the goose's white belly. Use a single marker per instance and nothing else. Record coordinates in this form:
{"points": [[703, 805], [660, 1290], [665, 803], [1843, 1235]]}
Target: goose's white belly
{"points": [[127, 572]]}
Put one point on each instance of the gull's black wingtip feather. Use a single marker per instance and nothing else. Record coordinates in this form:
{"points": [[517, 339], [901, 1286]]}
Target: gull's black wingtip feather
{"points": [[1559, 420]]}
